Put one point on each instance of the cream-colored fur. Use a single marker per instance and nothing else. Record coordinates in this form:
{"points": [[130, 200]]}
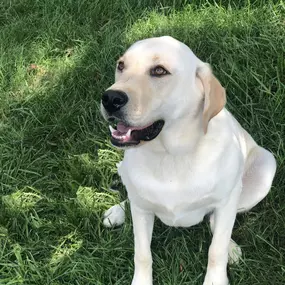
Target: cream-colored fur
{"points": [[202, 162]]}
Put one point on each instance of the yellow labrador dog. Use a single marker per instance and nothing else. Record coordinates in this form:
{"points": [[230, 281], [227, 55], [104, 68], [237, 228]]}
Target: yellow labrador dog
{"points": [[185, 155]]}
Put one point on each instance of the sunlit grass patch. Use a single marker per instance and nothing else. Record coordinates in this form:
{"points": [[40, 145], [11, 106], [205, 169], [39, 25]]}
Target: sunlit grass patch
{"points": [[22, 200], [3, 232], [67, 246], [34, 76], [91, 200]]}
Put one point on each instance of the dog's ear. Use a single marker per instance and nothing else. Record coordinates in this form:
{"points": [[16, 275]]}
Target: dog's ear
{"points": [[214, 94]]}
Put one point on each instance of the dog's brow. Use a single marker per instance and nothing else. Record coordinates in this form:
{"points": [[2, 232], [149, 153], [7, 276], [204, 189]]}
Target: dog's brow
{"points": [[120, 59], [156, 58]]}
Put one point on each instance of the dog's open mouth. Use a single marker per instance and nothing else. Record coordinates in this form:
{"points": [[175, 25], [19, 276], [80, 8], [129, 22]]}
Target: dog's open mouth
{"points": [[126, 135]]}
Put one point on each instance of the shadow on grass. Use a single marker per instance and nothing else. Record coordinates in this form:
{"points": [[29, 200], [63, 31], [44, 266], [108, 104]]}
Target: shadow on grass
{"points": [[53, 141]]}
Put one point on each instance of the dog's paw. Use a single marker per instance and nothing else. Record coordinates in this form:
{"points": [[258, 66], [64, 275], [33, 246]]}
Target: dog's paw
{"points": [[216, 281], [142, 280], [115, 216], [214, 277], [234, 253]]}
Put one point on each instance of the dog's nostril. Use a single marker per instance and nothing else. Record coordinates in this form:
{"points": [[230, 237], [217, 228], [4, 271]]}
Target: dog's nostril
{"points": [[118, 102]]}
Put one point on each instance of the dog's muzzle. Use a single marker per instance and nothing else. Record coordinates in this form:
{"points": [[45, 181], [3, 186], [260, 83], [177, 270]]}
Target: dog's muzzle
{"points": [[123, 134]]}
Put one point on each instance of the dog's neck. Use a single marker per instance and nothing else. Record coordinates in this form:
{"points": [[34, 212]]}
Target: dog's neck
{"points": [[179, 137]]}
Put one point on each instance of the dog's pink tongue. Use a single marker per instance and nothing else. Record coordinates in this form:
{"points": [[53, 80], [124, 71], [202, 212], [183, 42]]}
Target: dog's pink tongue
{"points": [[123, 132], [123, 129]]}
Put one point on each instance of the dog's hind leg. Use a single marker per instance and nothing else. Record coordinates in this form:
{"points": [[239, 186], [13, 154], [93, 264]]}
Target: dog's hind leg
{"points": [[234, 251], [115, 216], [259, 172]]}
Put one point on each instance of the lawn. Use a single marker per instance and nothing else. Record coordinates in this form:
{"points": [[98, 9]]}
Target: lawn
{"points": [[56, 161]]}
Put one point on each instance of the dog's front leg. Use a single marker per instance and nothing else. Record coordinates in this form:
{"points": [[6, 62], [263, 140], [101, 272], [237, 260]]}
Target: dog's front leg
{"points": [[143, 226], [224, 218]]}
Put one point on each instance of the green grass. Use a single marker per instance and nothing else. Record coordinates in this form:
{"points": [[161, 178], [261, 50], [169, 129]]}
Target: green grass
{"points": [[56, 162]]}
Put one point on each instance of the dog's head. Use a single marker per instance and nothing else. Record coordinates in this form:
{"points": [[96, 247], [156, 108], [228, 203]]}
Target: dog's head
{"points": [[157, 81]]}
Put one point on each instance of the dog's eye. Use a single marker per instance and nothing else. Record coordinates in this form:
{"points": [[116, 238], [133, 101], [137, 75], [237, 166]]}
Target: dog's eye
{"points": [[121, 65], [158, 71]]}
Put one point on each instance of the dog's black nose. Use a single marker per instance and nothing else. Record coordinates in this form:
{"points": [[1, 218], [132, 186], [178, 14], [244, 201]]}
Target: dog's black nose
{"points": [[114, 100]]}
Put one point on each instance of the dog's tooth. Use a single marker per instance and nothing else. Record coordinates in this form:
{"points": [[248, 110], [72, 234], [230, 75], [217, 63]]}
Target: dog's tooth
{"points": [[117, 136], [111, 129], [129, 133]]}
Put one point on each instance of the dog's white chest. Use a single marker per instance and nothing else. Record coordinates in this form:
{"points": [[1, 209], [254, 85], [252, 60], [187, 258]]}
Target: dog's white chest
{"points": [[179, 193]]}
